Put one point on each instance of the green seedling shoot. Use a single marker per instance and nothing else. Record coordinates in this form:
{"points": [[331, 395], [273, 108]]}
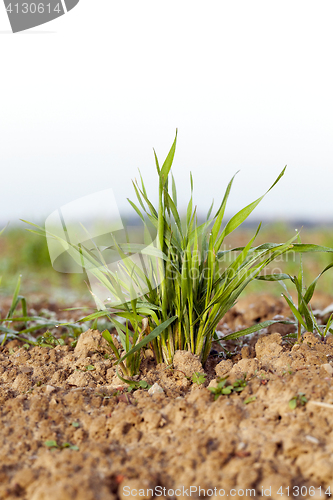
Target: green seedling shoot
{"points": [[298, 400], [223, 389], [199, 378]]}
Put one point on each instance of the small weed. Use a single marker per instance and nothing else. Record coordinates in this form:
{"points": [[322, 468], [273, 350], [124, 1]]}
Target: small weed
{"points": [[49, 340], [90, 368], [223, 389], [240, 384], [75, 424], [70, 446], [143, 384], [250, 400], [199, 378], [298, 400], [53, 445]]}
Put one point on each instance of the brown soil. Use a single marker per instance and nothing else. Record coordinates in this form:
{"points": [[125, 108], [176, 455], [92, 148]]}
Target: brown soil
{"points": [[131, 443]]}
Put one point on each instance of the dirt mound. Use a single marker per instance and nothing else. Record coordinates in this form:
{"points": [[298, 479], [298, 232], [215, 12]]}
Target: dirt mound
{"points": [[70, 430]]}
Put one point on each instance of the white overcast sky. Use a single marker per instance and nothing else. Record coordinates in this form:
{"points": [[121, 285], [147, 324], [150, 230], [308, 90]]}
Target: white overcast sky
{"points": [[85, 98]]}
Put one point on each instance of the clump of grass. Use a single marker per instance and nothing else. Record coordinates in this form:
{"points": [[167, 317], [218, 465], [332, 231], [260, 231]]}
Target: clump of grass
{"points": [[188, 285], [132, 345], [198, 286]]}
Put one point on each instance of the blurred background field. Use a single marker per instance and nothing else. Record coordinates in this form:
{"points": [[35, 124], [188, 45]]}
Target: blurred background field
{"points": [[26, 254]]}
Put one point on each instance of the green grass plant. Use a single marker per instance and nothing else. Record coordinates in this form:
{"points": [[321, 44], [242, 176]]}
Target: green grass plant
{"points": [[304, 319], [197, 289], [201, 280]]}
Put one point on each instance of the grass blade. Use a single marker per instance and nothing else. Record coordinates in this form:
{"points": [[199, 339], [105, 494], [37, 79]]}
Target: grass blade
{"points": [[254, 329], [149, 338], [168, 162]]}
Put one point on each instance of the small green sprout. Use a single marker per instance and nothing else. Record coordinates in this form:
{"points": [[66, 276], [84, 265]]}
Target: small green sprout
{"points": [[298, 400], [51, 444], [223, 389], [199, 378], [49, 340], [143, 384], [70, 446], [90, 368], [75, 424], [54, 445], [240, 384], [250, 400]]}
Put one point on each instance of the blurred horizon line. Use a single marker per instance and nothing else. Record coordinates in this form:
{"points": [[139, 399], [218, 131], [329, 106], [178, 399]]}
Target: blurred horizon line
{"points": [[129, 220]]}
